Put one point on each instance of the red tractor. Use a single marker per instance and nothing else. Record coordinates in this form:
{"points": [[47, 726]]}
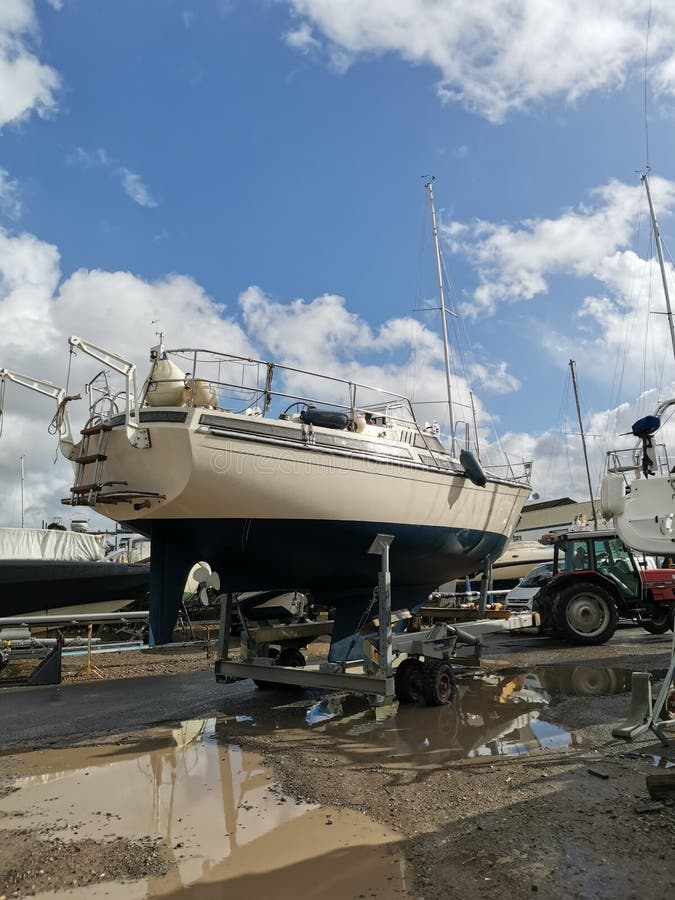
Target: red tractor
{"points": [[596, 581]]}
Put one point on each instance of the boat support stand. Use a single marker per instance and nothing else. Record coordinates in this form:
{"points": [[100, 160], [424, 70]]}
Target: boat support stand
{"points": [[372, 676], [645, 715], [329, 675]]}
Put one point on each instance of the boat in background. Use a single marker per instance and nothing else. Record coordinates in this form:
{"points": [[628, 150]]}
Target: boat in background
{"points": [[638, 488], [47, 571], [519, 558]]}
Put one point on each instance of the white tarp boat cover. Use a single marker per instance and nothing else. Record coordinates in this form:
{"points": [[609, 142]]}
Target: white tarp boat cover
{"points": [[50, 543]]}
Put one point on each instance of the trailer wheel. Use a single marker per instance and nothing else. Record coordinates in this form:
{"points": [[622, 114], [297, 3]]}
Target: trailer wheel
{"points": [[440, 686], [273, 653], [289, 656], [585, 613], [409, 681]]}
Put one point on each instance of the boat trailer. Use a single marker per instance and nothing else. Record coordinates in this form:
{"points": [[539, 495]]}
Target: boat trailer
{"points": [[425, 672]]}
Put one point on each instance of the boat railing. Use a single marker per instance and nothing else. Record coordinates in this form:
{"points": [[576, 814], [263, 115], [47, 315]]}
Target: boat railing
{"points": [[257, 389], [256, 385], [627, 462]]}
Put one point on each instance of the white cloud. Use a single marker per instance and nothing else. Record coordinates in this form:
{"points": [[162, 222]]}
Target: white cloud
{"points": [[10, 201], [498, 56], [135, 188], [302, 39], [89, 158], [616, 330], [516, 263], [132, 183], [495, 377], [26, 85]]}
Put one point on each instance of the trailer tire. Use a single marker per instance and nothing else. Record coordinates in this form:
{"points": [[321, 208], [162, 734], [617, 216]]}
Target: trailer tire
{"points": [[440, 686], [409, 681], [289, 656], [273, 653], [585, 613]]}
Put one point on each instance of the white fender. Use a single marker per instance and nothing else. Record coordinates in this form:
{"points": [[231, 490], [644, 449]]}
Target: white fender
{"points": [[612, 496]]}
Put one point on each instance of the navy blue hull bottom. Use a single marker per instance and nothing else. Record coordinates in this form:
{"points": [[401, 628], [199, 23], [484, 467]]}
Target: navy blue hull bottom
{"points": [[38, 585], [326, 558]]}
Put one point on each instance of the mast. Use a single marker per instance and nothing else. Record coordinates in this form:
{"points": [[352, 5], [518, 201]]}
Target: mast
{"points": [[659, 251], [583, 442], [21, 459], [441, 299]]}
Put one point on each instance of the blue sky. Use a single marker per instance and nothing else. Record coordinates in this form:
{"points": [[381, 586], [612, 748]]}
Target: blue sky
{"points": [[210, 163]]}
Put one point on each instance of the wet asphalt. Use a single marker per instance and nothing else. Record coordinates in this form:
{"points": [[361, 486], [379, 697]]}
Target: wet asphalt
{"points": [[40, 716]]}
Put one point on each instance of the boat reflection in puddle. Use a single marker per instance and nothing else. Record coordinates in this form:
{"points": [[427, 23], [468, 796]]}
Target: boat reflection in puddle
{"points": [[228, 831]]}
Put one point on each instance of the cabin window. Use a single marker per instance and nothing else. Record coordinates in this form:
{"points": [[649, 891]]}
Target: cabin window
{"points": [[429, 442]]}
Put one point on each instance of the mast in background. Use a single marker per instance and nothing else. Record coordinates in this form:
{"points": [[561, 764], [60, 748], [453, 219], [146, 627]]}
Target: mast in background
{"points": [[21, 459], [583, 443], [659, 251], [441, 299]]}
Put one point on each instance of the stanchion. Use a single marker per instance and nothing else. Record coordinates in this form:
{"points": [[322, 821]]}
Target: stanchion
{"points": [[88, 670]]}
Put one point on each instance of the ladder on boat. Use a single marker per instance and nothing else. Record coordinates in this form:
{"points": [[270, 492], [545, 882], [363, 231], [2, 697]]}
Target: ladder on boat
{"points": [[87, 489], [85, 493]]}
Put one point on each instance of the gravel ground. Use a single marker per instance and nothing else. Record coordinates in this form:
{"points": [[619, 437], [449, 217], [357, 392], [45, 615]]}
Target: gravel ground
{"points": [[29, 862], [568, 821]]}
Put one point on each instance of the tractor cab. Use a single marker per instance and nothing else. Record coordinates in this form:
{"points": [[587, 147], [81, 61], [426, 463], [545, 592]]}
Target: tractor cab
{"points": [[602, 552]]}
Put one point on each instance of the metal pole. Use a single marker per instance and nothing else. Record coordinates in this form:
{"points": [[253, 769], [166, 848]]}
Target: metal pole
{"points": [[386, 655], [475, 425], [21, 458], [225, 626], [659, 252], [583, 442], [485, 586], [381, 545], [441, 298]]}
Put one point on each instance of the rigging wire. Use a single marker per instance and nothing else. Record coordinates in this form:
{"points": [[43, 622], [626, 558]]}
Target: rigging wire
{"points": [[591, 462], [558, 445], [649, 22], [412, 354]]}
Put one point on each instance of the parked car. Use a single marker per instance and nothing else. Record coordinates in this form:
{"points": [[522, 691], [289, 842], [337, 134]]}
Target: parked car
{"points": [[520, 598]]}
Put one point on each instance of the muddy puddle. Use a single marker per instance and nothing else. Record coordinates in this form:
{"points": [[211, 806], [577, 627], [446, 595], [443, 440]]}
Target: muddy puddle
{"points": [[226, 828], [493, 715]]}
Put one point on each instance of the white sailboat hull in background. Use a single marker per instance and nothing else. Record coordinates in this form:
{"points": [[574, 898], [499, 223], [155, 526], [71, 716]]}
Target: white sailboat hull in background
{"points": [[644, 519]]}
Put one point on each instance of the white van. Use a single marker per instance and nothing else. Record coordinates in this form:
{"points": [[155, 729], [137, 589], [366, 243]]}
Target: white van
{"points": [[520, 598]]}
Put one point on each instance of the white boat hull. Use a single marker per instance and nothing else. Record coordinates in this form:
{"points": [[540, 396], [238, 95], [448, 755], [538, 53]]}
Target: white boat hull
{"points": [[519, 558], [274, 512], [644, 519]]}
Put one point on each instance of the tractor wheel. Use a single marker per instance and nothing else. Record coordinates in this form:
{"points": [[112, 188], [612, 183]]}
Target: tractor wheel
{"points": [[409, 681], [587, 681], [661, 620], [585, 613], [440, 686]]}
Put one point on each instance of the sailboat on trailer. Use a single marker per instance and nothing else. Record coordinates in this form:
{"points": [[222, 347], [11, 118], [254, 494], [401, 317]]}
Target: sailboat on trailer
{"points": [[281, 478]]}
